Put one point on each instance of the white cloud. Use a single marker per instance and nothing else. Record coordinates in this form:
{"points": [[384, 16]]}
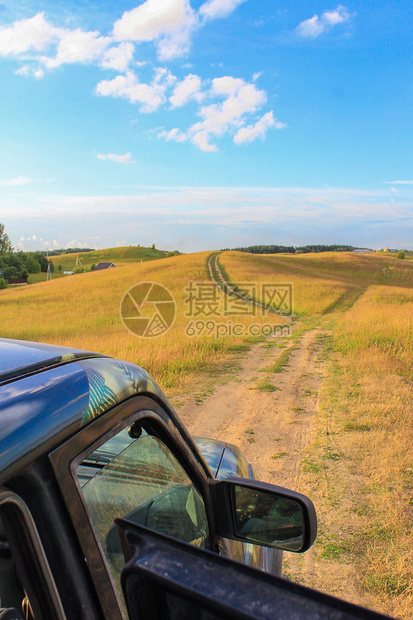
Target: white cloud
{"points": [[163, 76], [151, 19], [316, 25], [74, 243], [226, 85], [211, 201], [169, 22], [257, 76], [201, 140], [150, 96], [169, 25], [51, 244], [35, 243], [37, 34], [259, 130], [118, 57], [189, 88], [175, 135], [336, 16], [399, 182], [219, 118], [213, 9], [77, 46], [175, 45], [119, 159], [15, 182], [33, 34], [237, 100], [312, 27], [30, 71]]}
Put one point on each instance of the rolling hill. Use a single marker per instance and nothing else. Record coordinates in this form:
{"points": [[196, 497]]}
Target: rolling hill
{"points": [[119, 256]]}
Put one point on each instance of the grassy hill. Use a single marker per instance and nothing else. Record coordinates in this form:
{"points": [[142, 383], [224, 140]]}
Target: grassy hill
{"points": [[322, 282], [119, 256], [83, 311], [358, 467]]}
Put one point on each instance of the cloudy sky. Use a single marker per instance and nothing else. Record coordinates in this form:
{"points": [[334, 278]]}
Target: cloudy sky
{"points": [[200, 124]]}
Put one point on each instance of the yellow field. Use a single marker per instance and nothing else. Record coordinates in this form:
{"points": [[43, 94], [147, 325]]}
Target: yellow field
{"points": [[83, 311], [359, 468], [362, 479], [322, 282], [370, 403]]}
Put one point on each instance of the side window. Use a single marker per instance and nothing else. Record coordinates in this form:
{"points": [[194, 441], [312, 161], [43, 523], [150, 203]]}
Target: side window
{"points": [[135, 476]]}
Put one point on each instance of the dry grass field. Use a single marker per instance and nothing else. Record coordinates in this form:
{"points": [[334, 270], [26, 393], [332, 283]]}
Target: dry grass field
{"points": [[322, 282], [367, 406], [357, 465], [83, 311]]}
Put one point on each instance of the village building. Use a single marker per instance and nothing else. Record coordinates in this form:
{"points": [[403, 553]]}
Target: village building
{"points": [[101, 266]]}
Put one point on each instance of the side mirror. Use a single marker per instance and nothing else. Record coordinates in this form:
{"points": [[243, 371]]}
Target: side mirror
{"points": [[263, 514]]}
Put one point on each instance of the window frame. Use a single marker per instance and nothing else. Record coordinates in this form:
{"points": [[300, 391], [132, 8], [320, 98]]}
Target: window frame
{"points": [[29, 556], [66, 459]]}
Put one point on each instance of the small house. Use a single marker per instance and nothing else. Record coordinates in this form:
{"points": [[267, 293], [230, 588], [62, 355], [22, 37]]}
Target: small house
{"points": [[101, 266]]}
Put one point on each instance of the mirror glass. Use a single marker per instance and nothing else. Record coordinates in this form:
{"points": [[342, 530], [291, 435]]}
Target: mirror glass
{"points": [[268, 518]]}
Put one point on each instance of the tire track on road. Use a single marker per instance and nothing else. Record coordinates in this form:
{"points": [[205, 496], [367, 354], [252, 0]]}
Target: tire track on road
{"points": [[216, 274]]}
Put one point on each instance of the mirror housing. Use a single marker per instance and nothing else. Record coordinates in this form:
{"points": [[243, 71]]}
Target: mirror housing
{"points": [[263, 514]]}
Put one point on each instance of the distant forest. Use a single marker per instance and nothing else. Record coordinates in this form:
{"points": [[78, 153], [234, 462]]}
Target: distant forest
{"points": [[21, 264], [292, 249], [66, 251]]}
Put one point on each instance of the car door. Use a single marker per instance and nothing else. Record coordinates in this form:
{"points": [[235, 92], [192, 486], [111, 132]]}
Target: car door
{"points": [[131, 463], [137, 465], [166, 579]]}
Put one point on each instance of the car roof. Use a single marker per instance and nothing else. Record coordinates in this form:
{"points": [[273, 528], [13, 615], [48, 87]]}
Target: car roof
{"points": [[47, 393], [19, 357]]}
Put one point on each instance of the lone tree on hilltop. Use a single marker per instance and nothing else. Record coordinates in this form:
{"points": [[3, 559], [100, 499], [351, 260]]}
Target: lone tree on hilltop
{"points": [[5, 244]]}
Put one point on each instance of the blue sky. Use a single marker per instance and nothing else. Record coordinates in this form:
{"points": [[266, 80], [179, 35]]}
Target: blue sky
{"points": [[200, 124]]}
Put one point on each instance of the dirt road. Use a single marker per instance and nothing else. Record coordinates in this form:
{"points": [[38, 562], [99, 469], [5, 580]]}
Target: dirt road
{"points": [[269, 406], [276, 431], [273, 427]]}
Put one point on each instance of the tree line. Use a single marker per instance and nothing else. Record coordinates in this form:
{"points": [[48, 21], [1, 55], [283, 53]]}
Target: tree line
{"points": [[18, 264], [293, 249]]}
